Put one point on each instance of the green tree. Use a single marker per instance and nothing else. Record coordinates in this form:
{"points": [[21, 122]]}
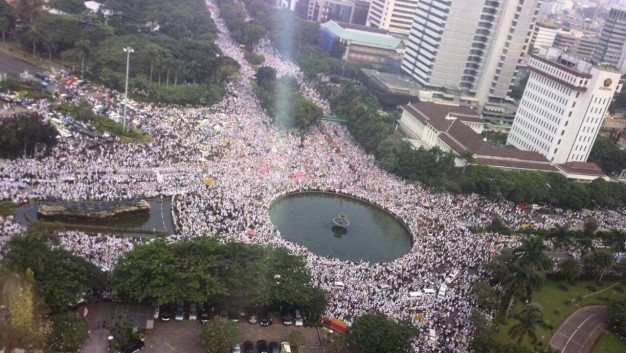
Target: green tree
{"points": [[570, 268], [607, 155], [7, 18], [296, 339], [69, 332], [265, 76], [531, 254], [616, 310], [601, 262], [590, 226], [618, 104], [28, 10], [486, 295], [616, 240], [69, 6], [306, 113], [375, 333], [26, 135], [67, 279], [176, 273], [336, 342], [219, 335], [528, 320], [560, 236]]}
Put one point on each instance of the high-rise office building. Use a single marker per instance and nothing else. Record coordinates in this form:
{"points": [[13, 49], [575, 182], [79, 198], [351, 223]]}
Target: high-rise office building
{"points": [[611, 48], [396, 16], [563, 106], [469, 47]]}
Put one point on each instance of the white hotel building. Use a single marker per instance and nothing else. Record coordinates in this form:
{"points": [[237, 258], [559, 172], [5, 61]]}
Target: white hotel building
{"points": [[564, 104]]}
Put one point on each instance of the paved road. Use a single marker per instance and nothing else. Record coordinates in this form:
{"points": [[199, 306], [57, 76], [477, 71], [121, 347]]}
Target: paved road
{"points": [[580, 331], [11, 65], [97, 342]]}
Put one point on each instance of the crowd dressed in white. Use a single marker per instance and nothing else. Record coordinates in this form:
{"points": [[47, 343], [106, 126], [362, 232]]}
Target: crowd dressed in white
{"points": [[249, 164]]}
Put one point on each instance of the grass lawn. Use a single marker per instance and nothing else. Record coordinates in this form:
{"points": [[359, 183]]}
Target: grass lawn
{"points": [[609, 343], [7, 208], [555, 310]]}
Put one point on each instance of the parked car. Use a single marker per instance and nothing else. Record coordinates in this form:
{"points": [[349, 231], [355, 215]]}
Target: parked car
{"points": [[193, 312], [155, 310], [274, 347], [165, 315], [285, 347], [298, 319], [248, 347], [287, 319], [132, 347], [204, 317], [180, 312], [264, 320], [237, 348], [261, 346], [233, 316], [252, 318]]}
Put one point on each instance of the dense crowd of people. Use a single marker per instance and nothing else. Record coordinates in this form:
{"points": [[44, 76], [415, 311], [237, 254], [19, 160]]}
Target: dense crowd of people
{"points": [[226, 173]]}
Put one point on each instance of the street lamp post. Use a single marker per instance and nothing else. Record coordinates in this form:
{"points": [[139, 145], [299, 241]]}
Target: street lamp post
{"points": [[127, 50]]}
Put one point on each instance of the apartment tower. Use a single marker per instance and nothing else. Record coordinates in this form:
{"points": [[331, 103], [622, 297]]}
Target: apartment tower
{"points": [[469, 47], [611, 48], [396, 16]]}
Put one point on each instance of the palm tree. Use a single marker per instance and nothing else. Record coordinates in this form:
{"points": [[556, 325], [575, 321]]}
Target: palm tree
{"points": [[585, 245], [601, 262], [531, 254], [570, 268], [528, 320], [560, 236], [520, 279], [616, 240]]}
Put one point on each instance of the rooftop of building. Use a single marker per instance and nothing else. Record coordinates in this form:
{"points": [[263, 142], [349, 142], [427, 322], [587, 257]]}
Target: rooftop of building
{"points": [[362, 34], [567, 61], [450, 122], [391, 82]]}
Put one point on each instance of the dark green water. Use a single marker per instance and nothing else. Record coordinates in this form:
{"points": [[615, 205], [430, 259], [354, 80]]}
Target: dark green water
{"points": [[158, 220], [373, 235]]}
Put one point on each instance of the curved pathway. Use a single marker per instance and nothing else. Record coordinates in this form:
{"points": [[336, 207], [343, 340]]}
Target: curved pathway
{"points": [[580, 331]]}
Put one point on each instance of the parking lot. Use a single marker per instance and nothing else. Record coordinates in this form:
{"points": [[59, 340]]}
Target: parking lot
{"points": [[182, 336]]}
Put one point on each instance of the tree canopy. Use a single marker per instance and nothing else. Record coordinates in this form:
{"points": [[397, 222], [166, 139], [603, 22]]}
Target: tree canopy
{"points": [[375, 333], [234, 276], [175, 59], [26, 135]]}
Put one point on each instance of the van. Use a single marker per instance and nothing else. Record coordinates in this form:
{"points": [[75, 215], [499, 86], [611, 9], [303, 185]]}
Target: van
{"points": [[429, 291], [452, 276], [340, 285], [414, 295], [432, 336], [298, 319], [132, 347], [285, 347], [442, 291], [384, 286]]}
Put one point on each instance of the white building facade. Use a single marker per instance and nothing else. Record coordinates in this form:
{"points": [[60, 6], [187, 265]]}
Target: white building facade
{"points": [[472, 47], [564, 104], [544, 35], [396, 16]]}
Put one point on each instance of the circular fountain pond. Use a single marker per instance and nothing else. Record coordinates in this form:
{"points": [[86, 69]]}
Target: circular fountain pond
{"points": [[311, 219]]}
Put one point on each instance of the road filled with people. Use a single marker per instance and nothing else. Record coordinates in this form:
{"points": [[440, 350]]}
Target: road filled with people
{"points": [[225, 164]]}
